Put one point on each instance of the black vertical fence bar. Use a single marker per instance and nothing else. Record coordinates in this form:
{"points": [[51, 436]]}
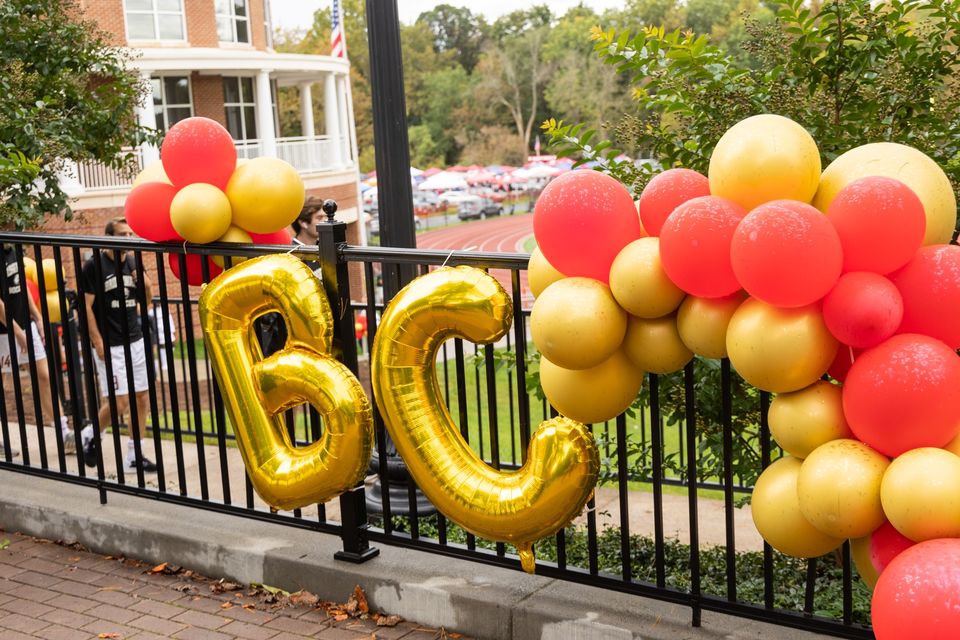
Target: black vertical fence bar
{"points": [[32, 362], [847, 583], [144, 298], [523, 400], [172, 370], [88, 373], [593, 552], [726, 419], [11, 346], [111, 393], [656, 449], [462, 409], [765, 462], [132, 406], [190, 337], [624, 498], [332, 235], [14, 352], [70, 349], [690, 419], [478, 402], [810, 586], [379, 427]]}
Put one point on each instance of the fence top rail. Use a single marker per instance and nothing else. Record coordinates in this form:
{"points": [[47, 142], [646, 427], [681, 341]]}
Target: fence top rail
{"points": [[349, 253]]}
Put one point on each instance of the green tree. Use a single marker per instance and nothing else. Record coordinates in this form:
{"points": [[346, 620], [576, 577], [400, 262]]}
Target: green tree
{"points": [[852, 72], [457, 30], [64, 95]]}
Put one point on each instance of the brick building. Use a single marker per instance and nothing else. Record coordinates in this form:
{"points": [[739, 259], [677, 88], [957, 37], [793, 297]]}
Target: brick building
{"points": [[214, 58]]}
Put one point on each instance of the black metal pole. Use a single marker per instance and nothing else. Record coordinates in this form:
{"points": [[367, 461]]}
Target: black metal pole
{"points": [[397, 227]]}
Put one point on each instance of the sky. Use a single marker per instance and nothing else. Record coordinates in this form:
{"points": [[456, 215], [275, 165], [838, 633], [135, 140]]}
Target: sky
{"points": [[298, 14]]}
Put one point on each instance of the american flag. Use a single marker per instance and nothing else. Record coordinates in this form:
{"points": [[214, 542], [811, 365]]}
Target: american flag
{"points": [[338, 41]]}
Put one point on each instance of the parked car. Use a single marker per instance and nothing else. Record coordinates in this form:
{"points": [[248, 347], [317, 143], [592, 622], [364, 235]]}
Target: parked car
{"points": [[477, 207]]}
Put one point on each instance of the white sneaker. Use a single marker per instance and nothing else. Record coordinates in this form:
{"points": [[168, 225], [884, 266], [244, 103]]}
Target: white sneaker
{"points": [[69, 444]]}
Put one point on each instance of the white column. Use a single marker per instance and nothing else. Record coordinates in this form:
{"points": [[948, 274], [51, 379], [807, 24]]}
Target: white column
{"points": [[331, 113], [147, 118], [343, 106], [265, 130], [307, 129]]}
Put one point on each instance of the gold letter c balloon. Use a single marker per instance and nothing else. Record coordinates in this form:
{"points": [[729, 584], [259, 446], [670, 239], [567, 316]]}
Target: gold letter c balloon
{"points": [[256, 390], [518, 507]]}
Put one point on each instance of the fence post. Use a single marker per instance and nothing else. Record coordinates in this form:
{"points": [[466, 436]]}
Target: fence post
{"points": [[332, 234]]}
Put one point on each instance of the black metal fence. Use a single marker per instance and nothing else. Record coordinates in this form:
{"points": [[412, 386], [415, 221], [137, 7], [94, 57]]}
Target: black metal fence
{"points": [[664, 521]]}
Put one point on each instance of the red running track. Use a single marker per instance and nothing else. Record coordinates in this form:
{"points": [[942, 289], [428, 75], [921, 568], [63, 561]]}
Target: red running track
{"points": [[503, 234]]}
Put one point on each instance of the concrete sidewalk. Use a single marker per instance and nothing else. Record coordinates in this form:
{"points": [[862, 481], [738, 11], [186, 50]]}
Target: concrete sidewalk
{"points": [[479, 600], [57, 592]]}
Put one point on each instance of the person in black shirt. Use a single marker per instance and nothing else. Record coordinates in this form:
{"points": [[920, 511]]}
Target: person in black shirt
{"points": [[18, 309], [114, 326]]}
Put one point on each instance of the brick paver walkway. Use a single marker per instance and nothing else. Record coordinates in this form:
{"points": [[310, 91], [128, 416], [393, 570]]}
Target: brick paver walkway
{"points": [[56, 592]]}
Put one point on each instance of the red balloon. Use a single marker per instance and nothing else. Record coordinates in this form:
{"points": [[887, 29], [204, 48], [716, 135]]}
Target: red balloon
{"points": [[695, 246], [880, 222], [886, 543], [863, 310], [930, 286], [34, 289], [845, 358], [581, 222], [194, 268], [786, 253], [147, 211], [916, 596], [904, 394], [198, 150], [281, 236], [667, 191]]}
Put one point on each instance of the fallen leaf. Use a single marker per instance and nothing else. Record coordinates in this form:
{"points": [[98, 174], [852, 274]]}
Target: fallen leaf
{"points": [[108, 635], [160, 568], [304, 598], [227, 605], [4, 544], [341, 617], [248, 607], [389, 621], [357, 604], [76, 559]]}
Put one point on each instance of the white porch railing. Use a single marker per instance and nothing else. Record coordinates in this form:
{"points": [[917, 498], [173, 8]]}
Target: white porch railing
{"points": [[306, 155]]}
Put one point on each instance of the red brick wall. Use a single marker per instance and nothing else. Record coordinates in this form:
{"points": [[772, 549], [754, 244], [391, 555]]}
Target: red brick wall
{"points": [[208, 97], [200, 19]]}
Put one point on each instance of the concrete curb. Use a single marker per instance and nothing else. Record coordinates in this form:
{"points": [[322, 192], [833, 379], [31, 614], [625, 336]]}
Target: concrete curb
{"points": [[475, 599]]}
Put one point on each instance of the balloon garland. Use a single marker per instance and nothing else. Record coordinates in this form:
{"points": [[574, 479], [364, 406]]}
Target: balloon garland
{"points": [[199, 192], [793, 274]]}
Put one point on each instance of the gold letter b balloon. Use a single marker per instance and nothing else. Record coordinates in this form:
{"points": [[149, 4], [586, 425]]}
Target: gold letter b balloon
{"points": [[518, 507], [256, 390]]}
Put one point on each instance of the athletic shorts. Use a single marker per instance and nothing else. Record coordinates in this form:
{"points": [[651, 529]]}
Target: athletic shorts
{"points": [[39, 353], [118, 362]]}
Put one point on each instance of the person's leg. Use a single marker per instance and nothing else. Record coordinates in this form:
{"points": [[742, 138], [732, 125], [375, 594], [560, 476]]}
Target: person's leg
{"points": [[138, 427]]}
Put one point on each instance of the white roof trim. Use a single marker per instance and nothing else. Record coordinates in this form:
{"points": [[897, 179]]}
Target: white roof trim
{"points": [[210, 60]]}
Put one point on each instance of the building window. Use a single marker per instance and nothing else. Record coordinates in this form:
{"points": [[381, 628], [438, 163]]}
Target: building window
{"points": [[154, 19], [171, 100], [233, 22], [241, 107]]}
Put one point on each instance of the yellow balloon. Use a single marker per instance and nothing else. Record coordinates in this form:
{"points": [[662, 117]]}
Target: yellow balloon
{"points": [[49, 266], [200, 213], [577, 324], [862, 560], [763, 158], [655, 345], [640, 284], [920, 496], [266, 194], [779, 350], [839, 488], [776, 513], [518, 507], [257, 390], [540, 273], [803, 420], [235, 235], [153, 172], [702, 323], [53, 305], [906, 164], [592, 395], [30, 268]]}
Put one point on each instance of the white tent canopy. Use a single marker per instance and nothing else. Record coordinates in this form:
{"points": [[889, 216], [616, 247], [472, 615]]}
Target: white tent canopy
{"points": [[443, 181]]}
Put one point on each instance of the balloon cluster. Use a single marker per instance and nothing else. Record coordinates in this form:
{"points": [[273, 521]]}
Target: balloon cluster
{"points": [[52, 292], [792, 274], [199, 192]]}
